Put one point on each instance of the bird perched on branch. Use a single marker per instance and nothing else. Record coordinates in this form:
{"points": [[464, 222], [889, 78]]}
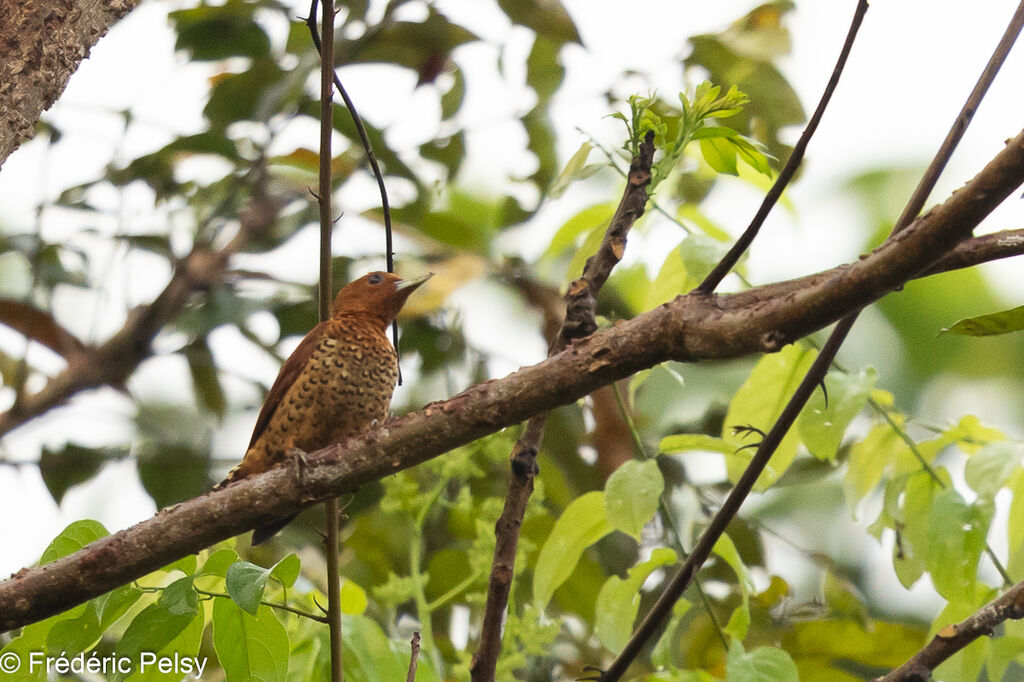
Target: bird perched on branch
{"points": [[336, 384]]}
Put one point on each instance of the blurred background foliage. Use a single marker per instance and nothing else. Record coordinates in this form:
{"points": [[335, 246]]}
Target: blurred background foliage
{"points": [[417, 546]]}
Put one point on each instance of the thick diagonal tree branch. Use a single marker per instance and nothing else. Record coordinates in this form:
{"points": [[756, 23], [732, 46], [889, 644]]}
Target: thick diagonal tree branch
{"points": [[43, 42], [690, 328]]}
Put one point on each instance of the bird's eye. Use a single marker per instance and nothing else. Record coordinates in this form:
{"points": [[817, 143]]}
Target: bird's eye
{"points": [[375, 279]]}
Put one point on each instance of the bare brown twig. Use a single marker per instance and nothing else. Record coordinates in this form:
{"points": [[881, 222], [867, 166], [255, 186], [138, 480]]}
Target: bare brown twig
{"points": [[580, 321], [371, 158], [325, 292], [414, 657], [954, 637], [730, 259], [111, 363]]}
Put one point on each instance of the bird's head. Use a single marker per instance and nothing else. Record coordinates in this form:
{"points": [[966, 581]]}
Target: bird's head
{"points": [[378, 294]]}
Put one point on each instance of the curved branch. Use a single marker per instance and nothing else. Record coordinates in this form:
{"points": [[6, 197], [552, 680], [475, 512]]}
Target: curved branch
{"points": [[692, 327], [43, 43], [954, 637], [978, 250], [111, 363]]}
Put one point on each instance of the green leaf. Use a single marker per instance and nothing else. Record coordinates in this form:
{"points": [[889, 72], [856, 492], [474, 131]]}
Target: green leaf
{"points": [[353, 599], [739, 622], [450, 152], [212, 32], [672, 279], [182, 650], [467, 223], [990, 468], [180, 597], [159, 244], [173, 452], [248, 95], [720, 155], [712, 131], [74, 464], [540, 132], [686, 442], [758, 403], [573, 171], [956, 539], [287, 569], [74, 537], [843, 599], [546, 18], [544, 71], [631, 496], [661, 653], [1015, 524], [834, 644], [451, 100], [245, 582], [372, 655], [159, 623], [72, 635], [869, 459], [1003, 322], [583, 523], [619, 600], [186, 564], [422, 46], [584, 222], [910, 552], [249, 647], [218, 563], [822, 425], [209, 142], [205, 380], [701, 254], [116, 603], [760, 665]]}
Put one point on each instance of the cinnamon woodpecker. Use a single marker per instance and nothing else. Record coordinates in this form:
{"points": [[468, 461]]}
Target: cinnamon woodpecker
{"points": [[336, 384]]}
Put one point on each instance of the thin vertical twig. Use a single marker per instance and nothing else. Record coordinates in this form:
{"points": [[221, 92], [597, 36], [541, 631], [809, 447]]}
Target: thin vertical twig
{"points": [[371, 158], [331, 511], [414, 657]]}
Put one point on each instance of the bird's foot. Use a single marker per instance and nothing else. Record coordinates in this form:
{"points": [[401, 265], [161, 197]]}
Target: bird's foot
{"points": [[299, 462]]}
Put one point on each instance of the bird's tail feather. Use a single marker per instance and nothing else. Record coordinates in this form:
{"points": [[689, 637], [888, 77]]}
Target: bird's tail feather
{"points": [[264, 533]]}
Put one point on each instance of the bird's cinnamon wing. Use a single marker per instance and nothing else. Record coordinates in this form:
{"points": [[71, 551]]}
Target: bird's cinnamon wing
{"points": [[290, 371]]}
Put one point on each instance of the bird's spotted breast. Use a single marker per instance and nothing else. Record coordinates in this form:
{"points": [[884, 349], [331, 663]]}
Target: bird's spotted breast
{"points": [[341, 391]]}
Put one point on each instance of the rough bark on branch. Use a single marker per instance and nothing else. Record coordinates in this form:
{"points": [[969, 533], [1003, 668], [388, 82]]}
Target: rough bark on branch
{"points": [[955, 636], [690, 328], [43, 43], [580, 321]]}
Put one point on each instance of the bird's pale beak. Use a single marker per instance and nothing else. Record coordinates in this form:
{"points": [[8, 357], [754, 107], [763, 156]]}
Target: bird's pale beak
{"points": [[412, 284]]}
